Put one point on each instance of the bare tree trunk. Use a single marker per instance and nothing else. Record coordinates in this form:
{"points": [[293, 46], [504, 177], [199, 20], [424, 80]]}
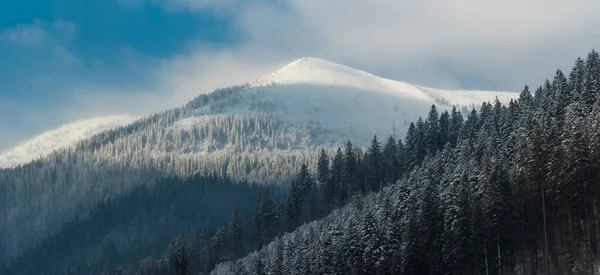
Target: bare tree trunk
{"points": [[487, 272], [589, 237], [499, 255], [556, 263], [596, 225], [523, 267], [571, 236], [534, 258], [546, 266]]}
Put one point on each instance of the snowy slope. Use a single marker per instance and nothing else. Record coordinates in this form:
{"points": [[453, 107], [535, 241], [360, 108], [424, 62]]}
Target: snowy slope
{"points": [[336, 102], [343, 103], [265, 143], [468, 98], [62, 137]]}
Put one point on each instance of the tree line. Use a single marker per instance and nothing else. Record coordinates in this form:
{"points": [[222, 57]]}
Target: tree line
{"points": [[345, 175], [515, 193], [507, 189]]}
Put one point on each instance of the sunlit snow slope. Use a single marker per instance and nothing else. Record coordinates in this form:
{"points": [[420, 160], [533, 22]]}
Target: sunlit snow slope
{"points": [[337, 103], [62, 137], [342, 103]]}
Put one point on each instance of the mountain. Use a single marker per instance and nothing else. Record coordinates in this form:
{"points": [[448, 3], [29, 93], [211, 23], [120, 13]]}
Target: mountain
{"points": [[60, 138], [515, 192], [258, 133], [345, 103], [337, 101]]}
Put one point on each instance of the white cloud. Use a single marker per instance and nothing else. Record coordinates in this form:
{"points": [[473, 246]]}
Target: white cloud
{"points": [[39, 32], [510, 42], [430, 42], [178, 5], [438, 43], [173, 83], [9, 138], [67, 30], [26, 35], [31, 122]]}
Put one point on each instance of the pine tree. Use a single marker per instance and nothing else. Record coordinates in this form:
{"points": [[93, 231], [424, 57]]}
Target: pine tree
{"points": [[337, 178], [204, 251], [444, 125], [373, 246], [269, 218], [373, 164], [525, 102], [591, 80], [456, 122], [350, 177], [326, 183], [257, 267], [257, 224], [234, 232], [432, 131], [412, 145], [180, 255], [563, 97], [297, 203], [421, 140], [390, 161], [402, 159], [323, 168]]}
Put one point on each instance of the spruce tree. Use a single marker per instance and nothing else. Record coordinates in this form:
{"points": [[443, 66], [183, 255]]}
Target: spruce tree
{"points": [[350, 177], [337, 178], [444, 125], [373, 163], [591, 80], [412, 144], [432, 131], [234, 232], [456, 122], [390, 161], [269, 218], [326, 184], [402, 158]]}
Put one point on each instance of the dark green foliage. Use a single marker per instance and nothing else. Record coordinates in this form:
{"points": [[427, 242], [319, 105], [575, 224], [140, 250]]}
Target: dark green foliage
{"points": [[337, 178], [234, 232], [373, 166], [512, 190], [390, 162], [350, 177], [145, 220]]}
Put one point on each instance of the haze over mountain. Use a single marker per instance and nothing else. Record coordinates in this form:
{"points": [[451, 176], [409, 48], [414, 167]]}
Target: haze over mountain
{"points": [[336, 101]]}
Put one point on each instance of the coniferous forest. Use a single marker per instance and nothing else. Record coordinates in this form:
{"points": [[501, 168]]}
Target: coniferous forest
{"points": [[502, 189]]}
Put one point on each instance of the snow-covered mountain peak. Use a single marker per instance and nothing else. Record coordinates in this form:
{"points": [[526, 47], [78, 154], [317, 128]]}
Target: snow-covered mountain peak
{"points": [[343, 102], [308, 63], [335, 102], [59, 138], [323, 73]]}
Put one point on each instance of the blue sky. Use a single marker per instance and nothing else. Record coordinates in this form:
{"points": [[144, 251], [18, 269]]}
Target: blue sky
{"points": [[97, 35], [65, 60], [47, 46]]}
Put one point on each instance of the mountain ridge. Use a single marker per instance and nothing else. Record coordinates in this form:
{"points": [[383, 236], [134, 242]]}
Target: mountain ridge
{"points": [[59, 138], [307, 91], [256, 134]]}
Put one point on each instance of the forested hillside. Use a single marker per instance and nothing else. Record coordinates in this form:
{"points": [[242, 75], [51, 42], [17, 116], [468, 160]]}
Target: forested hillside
{"points": [[515, 192], [254, 149], [133, 226], [258, 133], [506, 189]]}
